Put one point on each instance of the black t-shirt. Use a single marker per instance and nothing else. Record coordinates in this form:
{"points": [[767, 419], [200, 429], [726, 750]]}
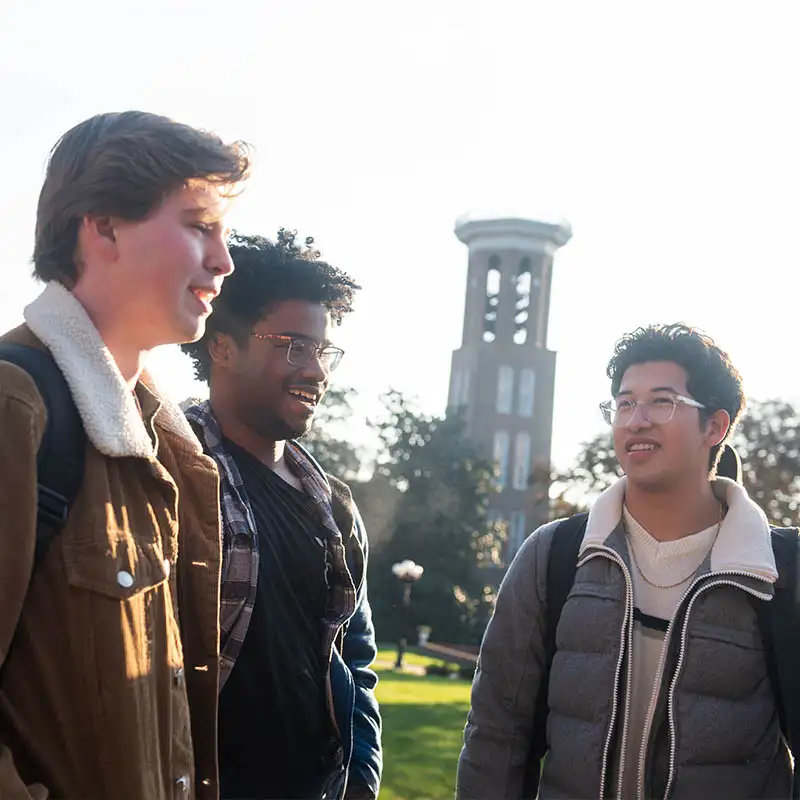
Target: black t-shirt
{"points": [[274, 728]]}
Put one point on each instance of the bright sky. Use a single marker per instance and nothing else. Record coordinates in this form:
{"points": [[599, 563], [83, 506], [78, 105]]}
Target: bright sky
{"points": [[668, 134]]}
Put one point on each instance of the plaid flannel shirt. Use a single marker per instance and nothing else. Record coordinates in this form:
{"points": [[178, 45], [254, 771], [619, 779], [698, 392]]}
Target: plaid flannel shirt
{"points": [[240, 551]]}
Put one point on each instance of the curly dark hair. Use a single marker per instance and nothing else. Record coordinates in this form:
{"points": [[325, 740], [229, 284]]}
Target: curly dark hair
{"points": [[711, 377], [267, 273]]}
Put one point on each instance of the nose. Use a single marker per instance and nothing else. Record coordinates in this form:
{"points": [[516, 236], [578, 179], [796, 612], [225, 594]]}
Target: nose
{"points": [[638, 419], [315, 372], [218, 258]]}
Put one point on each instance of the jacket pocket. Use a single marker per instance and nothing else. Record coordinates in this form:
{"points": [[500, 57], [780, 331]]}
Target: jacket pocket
{"points": [[124, 644], [118, 568], [123, 618]]}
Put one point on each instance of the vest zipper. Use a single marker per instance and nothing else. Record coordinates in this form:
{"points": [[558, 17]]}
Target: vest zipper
{"points": [[651, 709], [679, 666], [626, 640]]}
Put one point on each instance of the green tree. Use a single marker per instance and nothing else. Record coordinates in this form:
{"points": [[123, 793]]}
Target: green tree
{"points": [[768, 442], [440, 522]]}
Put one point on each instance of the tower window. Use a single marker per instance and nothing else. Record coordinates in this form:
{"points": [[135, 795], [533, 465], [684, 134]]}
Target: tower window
{"points": [[522, 461], [459, 387], [492, 300], [455, 387], [500, 456], [523, 300], [527, 391], [505, 390], [463, 397]]}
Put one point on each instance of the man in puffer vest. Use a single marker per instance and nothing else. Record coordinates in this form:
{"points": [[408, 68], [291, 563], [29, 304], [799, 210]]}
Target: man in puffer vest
{"points": [[659, 686]]}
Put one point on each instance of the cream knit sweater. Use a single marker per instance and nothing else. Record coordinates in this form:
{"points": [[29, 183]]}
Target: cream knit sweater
{"points": [[663, 563]]}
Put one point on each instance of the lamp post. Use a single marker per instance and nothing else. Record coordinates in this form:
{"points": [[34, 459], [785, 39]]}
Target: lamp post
{"points": [[408, 573]]}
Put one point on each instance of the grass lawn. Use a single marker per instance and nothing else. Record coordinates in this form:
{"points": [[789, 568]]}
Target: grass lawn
{"points": [[423, 724]]}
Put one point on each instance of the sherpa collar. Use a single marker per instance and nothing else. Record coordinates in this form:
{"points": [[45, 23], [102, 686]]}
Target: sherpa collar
{"points": [[744, 542], [107, 408]]}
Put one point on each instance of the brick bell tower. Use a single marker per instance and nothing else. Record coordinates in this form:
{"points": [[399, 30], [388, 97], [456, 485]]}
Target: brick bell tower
{"points": [[502, 377]]}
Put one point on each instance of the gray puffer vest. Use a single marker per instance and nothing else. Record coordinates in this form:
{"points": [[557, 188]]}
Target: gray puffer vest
{"points": [[715, 731]]}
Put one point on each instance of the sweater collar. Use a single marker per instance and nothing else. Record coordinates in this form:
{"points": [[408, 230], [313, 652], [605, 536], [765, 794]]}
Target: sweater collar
{"points": [[744, 543]]}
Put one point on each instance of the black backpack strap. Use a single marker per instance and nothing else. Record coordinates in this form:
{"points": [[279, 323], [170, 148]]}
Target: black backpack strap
{"points": [[62, 452], [561, 567], [779, 622], [729, 464]]}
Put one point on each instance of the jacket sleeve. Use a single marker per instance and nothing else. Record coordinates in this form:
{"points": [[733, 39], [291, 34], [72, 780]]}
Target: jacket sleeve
{"points": [[507, 681], [358, 653], [22, 419]]}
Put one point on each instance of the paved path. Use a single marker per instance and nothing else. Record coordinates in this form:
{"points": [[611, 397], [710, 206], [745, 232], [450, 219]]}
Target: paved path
{"points": [[462, 656], [408, 669]]}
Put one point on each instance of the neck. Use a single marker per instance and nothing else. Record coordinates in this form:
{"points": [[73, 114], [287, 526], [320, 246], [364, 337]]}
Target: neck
{"points": [[672, 515], [128, 357], [268, 452]]}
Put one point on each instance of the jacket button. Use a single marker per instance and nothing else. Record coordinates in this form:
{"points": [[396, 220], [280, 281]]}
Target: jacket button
{"points": [[124, 579], [182, 784]]}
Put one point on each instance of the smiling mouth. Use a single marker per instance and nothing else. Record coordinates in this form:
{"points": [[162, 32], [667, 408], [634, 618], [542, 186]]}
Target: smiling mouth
{"points": [[642, 447], [306, 398], [205, 296]]}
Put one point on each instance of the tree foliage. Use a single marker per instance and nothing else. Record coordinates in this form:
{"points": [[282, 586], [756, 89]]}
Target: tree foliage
{"points": [[768, 441], [441, 522]]}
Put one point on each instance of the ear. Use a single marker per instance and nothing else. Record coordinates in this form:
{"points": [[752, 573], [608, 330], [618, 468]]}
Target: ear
{"points": [[223, 350], [98, 235], [717, 427]]}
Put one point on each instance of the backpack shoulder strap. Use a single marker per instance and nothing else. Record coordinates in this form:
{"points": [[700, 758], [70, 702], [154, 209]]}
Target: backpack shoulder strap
{"points": [[561, 567], [562, 564], [779, 620], [785, 619], [61, 456]]}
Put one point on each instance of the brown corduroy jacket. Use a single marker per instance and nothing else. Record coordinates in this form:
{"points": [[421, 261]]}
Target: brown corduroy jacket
{"points": [[110, 687]]}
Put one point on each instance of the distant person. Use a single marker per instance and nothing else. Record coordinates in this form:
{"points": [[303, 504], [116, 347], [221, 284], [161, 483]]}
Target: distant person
{"points": [[642, 650], [109, 567], [298, 716]]}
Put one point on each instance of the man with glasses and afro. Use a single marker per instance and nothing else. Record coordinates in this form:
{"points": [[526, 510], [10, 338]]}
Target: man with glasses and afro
{"points": [[297, 714], [645, 649]]}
